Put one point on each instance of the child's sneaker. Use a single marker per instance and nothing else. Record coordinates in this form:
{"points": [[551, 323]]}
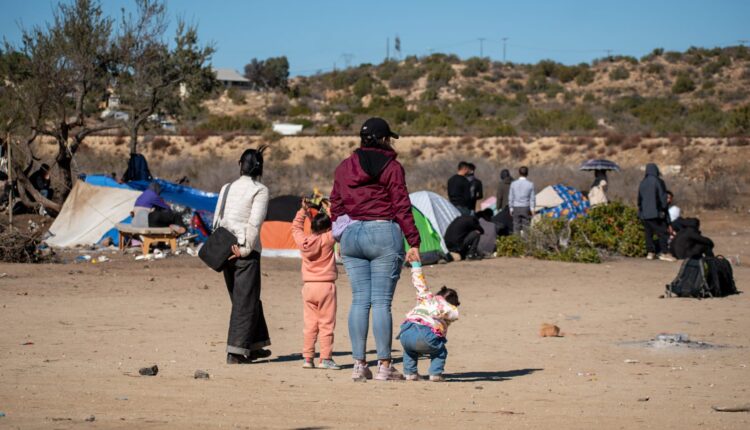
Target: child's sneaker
{"points": [[437, 378], [328, 364], [388, 374], [308, 364], [413, 377], [360, 371]]}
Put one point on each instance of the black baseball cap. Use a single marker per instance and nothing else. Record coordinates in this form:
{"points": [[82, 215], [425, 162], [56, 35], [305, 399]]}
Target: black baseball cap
{"points": [[377, 127]]}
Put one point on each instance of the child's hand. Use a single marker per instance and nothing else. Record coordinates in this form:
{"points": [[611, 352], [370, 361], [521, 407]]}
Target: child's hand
{"points": [[305, 205]]}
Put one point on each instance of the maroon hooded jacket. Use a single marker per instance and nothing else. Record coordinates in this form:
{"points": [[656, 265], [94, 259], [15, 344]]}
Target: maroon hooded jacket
{"points": [[370, 185]]}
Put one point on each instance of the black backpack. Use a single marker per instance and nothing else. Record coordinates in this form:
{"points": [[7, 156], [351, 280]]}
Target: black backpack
{"points": [[720, 272], [690, 281]]}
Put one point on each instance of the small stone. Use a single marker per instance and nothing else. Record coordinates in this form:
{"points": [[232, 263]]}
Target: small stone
{"points": [[151, 279], [201, 374], [149, 371], [644, 399], [90, 419]]}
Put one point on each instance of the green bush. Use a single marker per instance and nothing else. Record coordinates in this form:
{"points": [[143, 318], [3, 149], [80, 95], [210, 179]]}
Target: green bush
{"points": [[363, 86], [510, 246], [387, 69], [439, 74], [619, 73], [683, 84], [236, 96], [300, 109], [475, 66], [345, 120], [585, 77], [405, 76], [220, 123], [557, 120]]}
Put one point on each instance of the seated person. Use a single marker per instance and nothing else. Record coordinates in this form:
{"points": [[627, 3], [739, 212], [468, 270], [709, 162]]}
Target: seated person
{"points": [[462, 236], [598, 192], [488, 239], [688, 241], [152, 211], [504, 222], [41, 181], [674, 211]]}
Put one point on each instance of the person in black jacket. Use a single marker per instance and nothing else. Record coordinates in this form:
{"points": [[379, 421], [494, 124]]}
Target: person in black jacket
{"points": [[41, 181], [652, 210], [503, 189], [462, 236], [688, 241], [476, 190], [459, 189]]}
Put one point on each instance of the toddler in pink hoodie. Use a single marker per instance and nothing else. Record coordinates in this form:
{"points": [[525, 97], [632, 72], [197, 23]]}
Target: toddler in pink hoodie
{"points": [[319, 290]]}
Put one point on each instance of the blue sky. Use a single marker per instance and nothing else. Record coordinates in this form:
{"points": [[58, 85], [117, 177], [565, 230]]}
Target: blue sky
{"points": [[316, 34]]}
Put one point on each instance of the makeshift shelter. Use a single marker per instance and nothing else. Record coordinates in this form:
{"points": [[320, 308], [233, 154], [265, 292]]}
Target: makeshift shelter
{"points": [[561, 201], [89, 213], [430, 240], [435, 209], [276, 232]]}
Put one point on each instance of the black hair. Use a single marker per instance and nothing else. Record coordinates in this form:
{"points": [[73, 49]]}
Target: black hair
{"points": [[485, 214], [44, 167], [523, 171], [670, 194], [472, 166], [369, 140], [251, 162], [321, 223], [463, 164], [450, 295]]}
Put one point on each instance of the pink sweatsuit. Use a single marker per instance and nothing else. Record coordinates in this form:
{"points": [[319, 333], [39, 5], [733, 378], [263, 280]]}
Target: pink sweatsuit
{"points": [[319, 290]]}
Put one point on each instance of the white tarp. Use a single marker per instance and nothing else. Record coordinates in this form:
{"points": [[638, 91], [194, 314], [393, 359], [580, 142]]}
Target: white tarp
{"points": [[88, 213], [439, 211], [547, 198]]}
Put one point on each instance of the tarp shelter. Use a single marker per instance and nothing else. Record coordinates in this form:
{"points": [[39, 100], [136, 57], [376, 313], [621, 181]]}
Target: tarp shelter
{"points": [[561, 201], [88, 213], [437, 210], [276, 232]]}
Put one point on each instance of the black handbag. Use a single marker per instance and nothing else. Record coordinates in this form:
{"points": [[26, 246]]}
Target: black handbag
{"points": [[218, 248]]}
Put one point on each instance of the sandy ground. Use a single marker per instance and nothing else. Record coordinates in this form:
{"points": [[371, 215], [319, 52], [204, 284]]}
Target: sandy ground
{"points": [[74, 336]]}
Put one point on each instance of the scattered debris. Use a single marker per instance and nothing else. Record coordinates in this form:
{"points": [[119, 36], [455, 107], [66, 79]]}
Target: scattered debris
{"points": [[644, 399], [741, 408], [549, 330], [100, 259], [2, 414], [149, 371], [121, 398], [3, 275], [90, 419], [83, 258], [27, 343], [629, 361], [201, 374]]}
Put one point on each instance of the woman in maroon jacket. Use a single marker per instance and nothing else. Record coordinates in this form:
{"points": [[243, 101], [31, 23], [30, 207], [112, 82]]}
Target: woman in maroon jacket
{"points": [[370, 188]]}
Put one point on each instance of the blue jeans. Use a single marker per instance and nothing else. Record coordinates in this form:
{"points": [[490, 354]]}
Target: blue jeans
{"points": [[418, 339], [373, 253]]}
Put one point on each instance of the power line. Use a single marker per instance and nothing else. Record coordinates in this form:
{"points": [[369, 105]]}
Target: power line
{"points": [[505, 39], [481, 46]]}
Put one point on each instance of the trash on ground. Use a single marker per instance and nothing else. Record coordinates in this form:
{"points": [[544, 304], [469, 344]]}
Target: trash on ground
{"points": [[149, 371], [90, 419], [201, 374], [629, 361], [741, 408]]}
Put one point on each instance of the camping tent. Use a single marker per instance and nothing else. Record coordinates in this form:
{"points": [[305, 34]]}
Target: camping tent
{"points": [[88, 213], [561, 201], [437, 210], [430, 240], [276, 232]]}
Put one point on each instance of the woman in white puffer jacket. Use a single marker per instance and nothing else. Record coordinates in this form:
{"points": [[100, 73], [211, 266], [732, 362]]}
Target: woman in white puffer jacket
{"points": [[245, 210]]}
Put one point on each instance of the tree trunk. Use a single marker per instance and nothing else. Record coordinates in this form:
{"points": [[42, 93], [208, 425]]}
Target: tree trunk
{"points": [[64, 161], [133, 139], [25, 186]]}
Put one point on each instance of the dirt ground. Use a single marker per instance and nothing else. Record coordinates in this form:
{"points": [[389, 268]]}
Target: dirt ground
{"points": [[74, 336]]}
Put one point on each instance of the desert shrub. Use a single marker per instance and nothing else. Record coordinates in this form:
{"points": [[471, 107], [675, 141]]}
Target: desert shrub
{"points": [[558, 120], [715, 67], [510, 246], [236, 96], [439, 74], [280, 153], [299, 109], [277, 109], [363, 86], [221, 123], [119, 141], [614, 227], [585, 77], [405, 76], [514, 86], [387, 69], [475, 66], [160, 143], [614, 139], [467, 110], [345, 120], [654, 68], [683, 84], [619, 73], [304, 122], [271, 136], [738, 142], [738, 121], [673, 56]]}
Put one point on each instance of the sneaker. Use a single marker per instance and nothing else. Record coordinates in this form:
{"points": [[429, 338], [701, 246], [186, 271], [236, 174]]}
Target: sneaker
{"points": [[238, 359], [308, 364], [413, 377], [666, 257], [328, 364], [437, 378], [360, 371], [388, 374], [260, 353], [650, 256]]}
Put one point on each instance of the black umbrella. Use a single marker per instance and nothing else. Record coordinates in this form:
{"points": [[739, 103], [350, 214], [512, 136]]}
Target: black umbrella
{"points": [[600, 165]]}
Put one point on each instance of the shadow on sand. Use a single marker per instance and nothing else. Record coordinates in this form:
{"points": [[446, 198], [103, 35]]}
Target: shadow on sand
{"points": [[500, 375], [298, 357]]}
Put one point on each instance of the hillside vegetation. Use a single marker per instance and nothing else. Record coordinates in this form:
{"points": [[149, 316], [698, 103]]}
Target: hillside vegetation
{"points": [[700, 92]]}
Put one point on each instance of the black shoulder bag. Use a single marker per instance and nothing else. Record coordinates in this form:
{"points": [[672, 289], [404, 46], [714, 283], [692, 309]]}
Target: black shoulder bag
{"points": [[218, 248]]}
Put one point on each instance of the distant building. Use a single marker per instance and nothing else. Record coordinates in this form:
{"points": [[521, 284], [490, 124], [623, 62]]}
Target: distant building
{"points": [[230, 78], [286, 129]]}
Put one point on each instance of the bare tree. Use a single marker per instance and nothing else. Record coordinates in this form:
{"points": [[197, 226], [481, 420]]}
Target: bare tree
{"points": [[150, 75]]}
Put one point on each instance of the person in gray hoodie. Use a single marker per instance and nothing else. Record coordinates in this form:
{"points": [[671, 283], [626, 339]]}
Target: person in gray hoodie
{"points": [[652, 210]]}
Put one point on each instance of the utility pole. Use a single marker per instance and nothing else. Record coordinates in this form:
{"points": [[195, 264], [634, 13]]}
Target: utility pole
{"points": [[347, 58], [505, 39], [10, 181], [609, 54], [481, 47], [387, 48]]}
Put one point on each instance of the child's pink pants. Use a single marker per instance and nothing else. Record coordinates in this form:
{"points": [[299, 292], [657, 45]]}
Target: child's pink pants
{"points": [[319, 312]]}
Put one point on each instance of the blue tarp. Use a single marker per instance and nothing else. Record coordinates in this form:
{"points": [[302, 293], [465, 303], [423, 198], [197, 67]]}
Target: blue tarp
{"points": [[201, 202], [574, 204]]}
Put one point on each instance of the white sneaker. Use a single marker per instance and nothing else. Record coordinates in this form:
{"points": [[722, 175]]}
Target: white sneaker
{"points": [[666, 257], [650, 256], [413, 377]]}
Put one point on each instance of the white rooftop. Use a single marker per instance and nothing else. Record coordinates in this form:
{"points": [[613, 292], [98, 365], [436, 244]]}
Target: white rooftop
{"points": [[230, 75]]}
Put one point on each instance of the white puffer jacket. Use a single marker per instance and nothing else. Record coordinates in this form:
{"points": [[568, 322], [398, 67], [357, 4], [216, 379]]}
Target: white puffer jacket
{"points": [[244, 212]]}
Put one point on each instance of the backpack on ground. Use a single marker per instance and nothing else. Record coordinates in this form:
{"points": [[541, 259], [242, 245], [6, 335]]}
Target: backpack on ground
{"points": [[690, 281], [720, 272]]}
